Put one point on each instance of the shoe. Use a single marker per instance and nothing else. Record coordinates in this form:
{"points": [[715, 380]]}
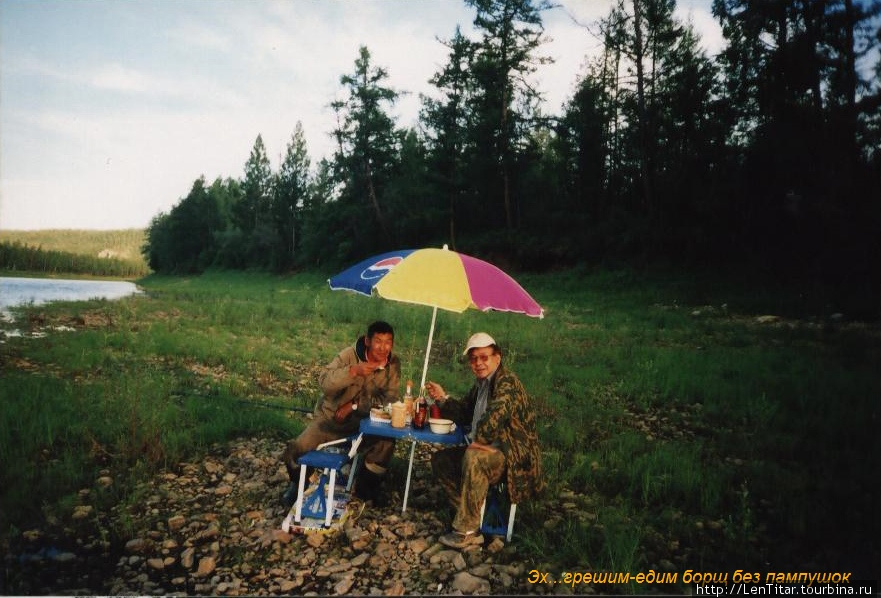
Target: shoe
{"points": [[290, 495], [459, 540]]}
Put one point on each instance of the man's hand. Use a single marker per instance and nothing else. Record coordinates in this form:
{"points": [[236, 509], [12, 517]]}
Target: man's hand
{"points": [[436, 391], [364, 368]]}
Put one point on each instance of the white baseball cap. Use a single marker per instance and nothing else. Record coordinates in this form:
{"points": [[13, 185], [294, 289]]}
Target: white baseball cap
{"points": [[480, 339]]}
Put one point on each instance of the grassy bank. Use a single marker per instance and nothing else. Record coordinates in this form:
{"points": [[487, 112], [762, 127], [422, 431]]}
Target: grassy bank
{"points": [[124, 244], [710, 428], [108, 253]]}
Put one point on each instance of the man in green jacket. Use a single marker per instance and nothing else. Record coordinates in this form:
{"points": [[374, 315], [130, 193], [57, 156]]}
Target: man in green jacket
{"points": [[502, 442], [365, 375]]}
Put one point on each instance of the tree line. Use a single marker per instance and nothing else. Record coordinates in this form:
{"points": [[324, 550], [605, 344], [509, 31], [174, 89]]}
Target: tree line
{"points": [[766, 155]]}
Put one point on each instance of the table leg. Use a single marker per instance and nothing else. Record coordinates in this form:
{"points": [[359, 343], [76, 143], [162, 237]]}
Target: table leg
{"points": [[409, 473]]}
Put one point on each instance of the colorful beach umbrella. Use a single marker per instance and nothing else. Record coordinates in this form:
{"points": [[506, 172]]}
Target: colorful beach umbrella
{"points": [[438, 278]]}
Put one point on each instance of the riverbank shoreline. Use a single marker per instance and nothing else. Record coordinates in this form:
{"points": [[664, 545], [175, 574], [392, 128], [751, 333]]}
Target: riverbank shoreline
{"points": [[39, 290]]}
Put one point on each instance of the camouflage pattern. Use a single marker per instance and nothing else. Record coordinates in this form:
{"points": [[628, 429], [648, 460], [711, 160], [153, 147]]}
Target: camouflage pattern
{"points": [[377, 389], [509, 424], [472, 470]]}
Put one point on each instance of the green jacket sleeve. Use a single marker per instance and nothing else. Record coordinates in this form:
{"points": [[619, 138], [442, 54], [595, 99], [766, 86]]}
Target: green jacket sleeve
{"points": [[460, 410], [335, 377]]}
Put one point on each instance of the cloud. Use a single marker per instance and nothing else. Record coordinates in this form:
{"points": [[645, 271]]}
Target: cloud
{"points": [[698, 14], [116, 77], [200, 37], [106, 120]]}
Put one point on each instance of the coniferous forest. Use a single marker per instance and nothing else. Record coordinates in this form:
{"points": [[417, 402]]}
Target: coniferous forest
{"points": [[765, 158]]}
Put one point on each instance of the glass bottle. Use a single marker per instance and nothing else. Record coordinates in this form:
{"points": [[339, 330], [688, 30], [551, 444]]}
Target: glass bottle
{"points": [[408, 399], [420, 413]]}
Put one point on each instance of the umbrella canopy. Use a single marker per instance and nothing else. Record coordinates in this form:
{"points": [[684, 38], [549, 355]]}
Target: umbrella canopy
{"points": [[438, 278]]}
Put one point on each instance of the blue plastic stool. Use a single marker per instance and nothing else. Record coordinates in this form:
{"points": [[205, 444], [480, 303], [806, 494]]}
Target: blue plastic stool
{"points": [[319, 504], [491, 513]]}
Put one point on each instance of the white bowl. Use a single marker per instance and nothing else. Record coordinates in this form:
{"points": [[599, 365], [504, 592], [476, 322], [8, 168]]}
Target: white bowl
{"points": [[441, 426]]}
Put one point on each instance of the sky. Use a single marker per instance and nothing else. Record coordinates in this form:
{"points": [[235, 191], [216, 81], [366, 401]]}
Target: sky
{"points": [[111, 109]]}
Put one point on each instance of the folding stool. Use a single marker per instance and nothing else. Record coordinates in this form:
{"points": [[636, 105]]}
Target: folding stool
{"points": [[316, 504], [491, 516]]}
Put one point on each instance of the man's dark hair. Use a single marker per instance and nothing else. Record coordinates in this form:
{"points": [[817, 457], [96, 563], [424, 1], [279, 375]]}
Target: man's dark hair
{"points": [[380, 327]]}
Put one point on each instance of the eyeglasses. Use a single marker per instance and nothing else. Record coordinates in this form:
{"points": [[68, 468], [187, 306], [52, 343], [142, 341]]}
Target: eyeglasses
{"points": [[481, 358]]}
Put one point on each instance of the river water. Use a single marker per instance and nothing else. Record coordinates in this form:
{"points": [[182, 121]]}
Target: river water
{"points": [[18, 291]]}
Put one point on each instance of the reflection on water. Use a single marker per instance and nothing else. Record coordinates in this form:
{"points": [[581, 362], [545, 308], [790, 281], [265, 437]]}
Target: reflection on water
{"points": [[18, 291]]}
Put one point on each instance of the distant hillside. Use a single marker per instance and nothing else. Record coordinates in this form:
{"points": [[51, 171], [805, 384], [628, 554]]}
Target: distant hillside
{"points": [[121, 244]]}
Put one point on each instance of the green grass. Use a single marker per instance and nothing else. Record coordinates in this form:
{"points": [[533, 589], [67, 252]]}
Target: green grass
{"points": [[104, 253], [124, 244], [700, 438]]}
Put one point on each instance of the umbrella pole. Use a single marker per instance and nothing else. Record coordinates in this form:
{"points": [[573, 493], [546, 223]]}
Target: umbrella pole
{"points": [[428, 350]]}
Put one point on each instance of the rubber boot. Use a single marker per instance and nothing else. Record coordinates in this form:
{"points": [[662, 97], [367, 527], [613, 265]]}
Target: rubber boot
{"points": [[290, 495], [368, 487]]}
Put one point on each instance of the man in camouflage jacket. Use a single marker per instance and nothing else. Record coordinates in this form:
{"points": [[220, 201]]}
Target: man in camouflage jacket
{"points": [[503, 441]]}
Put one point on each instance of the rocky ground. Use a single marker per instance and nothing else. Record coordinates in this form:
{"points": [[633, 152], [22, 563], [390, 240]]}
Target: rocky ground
{"points": [[214, 528]]}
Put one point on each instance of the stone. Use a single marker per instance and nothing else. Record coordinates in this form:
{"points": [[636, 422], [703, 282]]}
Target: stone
{"points": [[64, 557], [506, 580], [187, 558], [444, 556], [360, 559], [281, 536], [484, 570], [137, 545], [82, 511], [458, 562], [207, 564], [32, 534], [157, 564], [418, 546], [177, 522], [767, 319], [396, 589], [431, 551], [384, 550], [343, 586], [470, 584], [496, 545], [288, 585]]}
